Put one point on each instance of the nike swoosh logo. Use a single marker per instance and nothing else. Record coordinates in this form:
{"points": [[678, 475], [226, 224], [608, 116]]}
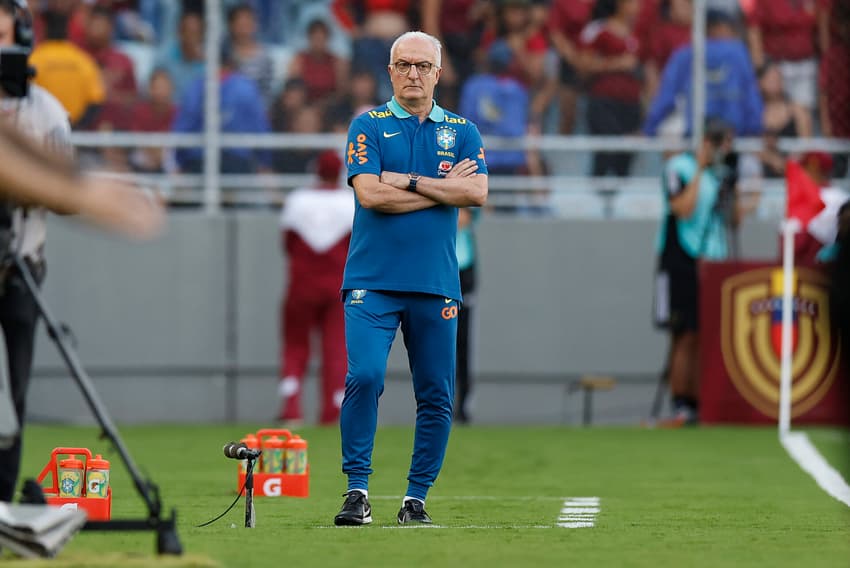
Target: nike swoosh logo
{"points": [[449, 300], [390, 135]]}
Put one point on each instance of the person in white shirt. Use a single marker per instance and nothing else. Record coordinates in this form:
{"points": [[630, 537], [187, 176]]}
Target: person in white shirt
{"points": [[316, 230]]}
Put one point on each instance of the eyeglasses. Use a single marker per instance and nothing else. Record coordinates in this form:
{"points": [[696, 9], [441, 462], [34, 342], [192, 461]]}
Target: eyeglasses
{"points": [[424, 68]]}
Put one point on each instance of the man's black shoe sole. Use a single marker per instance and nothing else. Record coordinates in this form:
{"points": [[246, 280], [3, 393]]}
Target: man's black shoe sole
{"points": [[416, 522], [352, 521]]}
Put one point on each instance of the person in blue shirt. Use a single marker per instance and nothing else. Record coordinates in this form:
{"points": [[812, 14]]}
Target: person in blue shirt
{"points": [[498, 104], [411, 164], [699, 206], [183, 57], [732, 91], [242, 111]]}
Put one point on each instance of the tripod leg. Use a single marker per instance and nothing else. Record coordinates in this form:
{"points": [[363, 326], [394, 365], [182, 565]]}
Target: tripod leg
{"points": [[660, 390]]}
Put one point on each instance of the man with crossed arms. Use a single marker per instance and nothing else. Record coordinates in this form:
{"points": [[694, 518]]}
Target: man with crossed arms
{"points": [[411, 164]]}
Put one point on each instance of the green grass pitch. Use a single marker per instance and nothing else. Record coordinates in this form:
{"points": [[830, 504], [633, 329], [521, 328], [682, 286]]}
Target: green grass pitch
{"points": [[709, 497]]}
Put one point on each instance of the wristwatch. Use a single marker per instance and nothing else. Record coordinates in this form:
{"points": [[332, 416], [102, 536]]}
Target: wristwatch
{"points": [[414, 178]]}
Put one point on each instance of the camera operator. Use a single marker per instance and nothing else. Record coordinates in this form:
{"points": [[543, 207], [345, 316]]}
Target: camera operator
{"points": [[37, 114], [701, 214]]}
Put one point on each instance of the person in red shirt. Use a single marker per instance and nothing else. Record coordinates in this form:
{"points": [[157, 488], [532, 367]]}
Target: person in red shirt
{"points": [[324, 74], [784, 31], [372, 18], [609, 58], [154, 113], [567, 19], [316, 227], [834, 70], [116, 67], [668, 30]]}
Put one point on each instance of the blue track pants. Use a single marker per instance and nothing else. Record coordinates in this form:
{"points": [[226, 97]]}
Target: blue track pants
{"points": [[429, 326]]}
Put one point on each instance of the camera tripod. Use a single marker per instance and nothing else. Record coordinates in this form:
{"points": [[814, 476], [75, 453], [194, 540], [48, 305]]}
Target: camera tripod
{"points": [[166, 530]]}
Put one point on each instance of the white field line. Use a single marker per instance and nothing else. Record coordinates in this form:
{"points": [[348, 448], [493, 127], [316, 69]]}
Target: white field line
{"points": [[579, 513], [799, 447]]}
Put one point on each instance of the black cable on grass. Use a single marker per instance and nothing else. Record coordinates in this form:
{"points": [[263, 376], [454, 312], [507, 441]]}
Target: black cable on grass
{"points": [[241, 491]]}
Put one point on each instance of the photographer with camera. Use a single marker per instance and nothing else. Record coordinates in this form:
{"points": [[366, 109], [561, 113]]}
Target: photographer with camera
{"points": [[35, 113], [701, 214]]}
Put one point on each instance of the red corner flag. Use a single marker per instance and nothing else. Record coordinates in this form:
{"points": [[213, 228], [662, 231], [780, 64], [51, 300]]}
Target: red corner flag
{"points": [[803, 195]]}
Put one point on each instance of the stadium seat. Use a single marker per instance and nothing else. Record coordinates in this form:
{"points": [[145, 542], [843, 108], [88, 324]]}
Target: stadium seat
{"points": [[578, 205], [635, 203]]}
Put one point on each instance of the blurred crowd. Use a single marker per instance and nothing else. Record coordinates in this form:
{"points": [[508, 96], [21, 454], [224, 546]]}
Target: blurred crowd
{"points": [[775, 68]]}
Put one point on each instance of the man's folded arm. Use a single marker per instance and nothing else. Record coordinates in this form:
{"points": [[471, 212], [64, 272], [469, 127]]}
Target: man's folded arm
{"points": [[374, 194]]}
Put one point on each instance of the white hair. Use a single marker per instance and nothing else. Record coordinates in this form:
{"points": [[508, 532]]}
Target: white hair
{"points": [[438, 47]]}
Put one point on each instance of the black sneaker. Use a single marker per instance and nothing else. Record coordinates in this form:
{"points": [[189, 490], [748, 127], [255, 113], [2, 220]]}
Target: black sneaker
{"points": [[355, 510], [413, 512]]}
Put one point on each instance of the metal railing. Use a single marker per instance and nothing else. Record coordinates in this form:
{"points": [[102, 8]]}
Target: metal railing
{"points": [[213, 188]]}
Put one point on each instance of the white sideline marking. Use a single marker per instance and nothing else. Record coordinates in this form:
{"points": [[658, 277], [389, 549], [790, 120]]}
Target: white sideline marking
{"points": [[799, 447], [579, 513]]}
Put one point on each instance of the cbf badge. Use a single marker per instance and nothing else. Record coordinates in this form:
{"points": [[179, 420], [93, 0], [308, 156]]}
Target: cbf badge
{"points": [[751, 331], [446, 137], [357, 296]]}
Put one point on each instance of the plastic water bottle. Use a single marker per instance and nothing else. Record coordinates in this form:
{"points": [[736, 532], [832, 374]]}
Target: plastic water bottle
{"points": [[70, 478], [97, 478], [296, 455]]}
